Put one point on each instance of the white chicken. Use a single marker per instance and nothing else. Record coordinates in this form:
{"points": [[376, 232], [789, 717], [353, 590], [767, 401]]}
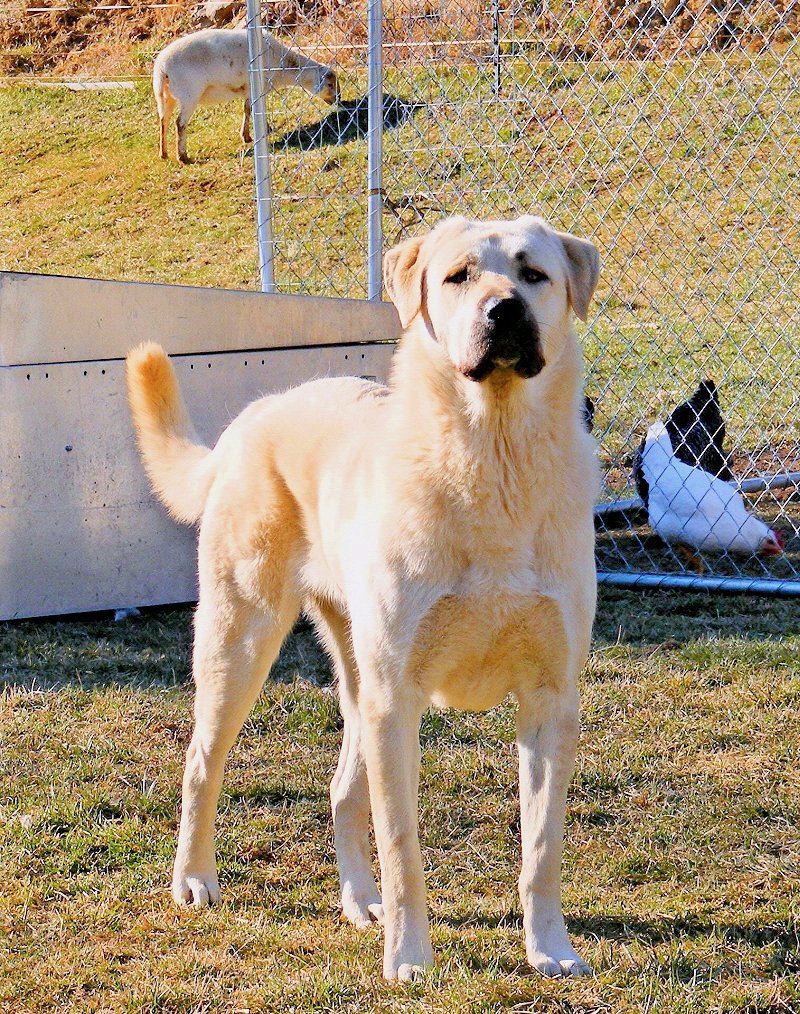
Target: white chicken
{"points": [[689, 507]]}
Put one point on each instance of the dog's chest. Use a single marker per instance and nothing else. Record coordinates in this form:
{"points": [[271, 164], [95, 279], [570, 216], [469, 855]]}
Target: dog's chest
{"points": [[480, 642]]}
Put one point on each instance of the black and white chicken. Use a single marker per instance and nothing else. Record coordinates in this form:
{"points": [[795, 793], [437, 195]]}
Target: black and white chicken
{"points": [[692, 509], [683, 476], [696, 431]]}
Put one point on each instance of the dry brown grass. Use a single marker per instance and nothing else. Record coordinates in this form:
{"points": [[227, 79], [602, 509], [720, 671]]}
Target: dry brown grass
{"points": [[692, 26], [85, 41], [681, 874]]}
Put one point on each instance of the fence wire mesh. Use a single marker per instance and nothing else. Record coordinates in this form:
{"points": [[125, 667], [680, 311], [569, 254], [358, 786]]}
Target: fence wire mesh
{"points": [[669, 133]]}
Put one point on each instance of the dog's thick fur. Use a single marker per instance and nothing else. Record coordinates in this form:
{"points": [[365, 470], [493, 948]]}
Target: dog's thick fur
{"points": [[440, 534]]}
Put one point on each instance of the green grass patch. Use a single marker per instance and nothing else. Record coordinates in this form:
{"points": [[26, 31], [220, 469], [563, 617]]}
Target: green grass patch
{"points": [[681, 868]]}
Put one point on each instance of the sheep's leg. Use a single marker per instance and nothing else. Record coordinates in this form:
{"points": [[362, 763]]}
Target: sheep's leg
{"points": [[181, 124], [247, 137], [165, 111]]}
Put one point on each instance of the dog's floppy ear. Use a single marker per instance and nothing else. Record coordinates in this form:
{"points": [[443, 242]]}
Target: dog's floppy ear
{"points": [[402, 276], [583, 271]]}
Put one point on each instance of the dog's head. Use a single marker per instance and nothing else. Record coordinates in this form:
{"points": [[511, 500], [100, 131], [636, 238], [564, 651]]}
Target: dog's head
{"points": [[494, 295]]}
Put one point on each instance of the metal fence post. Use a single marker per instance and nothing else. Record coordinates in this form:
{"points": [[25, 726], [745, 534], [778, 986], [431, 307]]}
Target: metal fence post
{"points": [[496, 45], [375, 153], [261, 167]]}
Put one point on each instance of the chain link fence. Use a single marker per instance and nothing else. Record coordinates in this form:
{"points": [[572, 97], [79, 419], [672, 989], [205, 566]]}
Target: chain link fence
{"points": [[667, 132]]}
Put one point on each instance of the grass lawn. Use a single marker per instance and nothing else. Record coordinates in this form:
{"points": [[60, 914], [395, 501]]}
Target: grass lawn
{"points": [[682, 871]]}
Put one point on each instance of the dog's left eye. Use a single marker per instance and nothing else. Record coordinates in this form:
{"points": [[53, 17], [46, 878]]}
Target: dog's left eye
{"points": [[532, 276], [459, 277]]}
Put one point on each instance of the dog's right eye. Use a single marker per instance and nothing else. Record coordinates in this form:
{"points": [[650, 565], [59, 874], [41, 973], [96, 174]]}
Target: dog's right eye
{"points": [[459, 277]]}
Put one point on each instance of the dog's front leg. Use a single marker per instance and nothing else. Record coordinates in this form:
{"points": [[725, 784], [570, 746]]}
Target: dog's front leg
{"points": [[547, 735], [390, 718]]}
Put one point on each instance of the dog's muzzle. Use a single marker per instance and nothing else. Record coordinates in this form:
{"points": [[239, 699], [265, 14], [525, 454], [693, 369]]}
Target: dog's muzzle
{"points": [[507, 338]]}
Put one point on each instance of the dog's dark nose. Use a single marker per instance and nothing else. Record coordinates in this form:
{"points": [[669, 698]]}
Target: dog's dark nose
{"points": [[505, 313], [508, 339]]}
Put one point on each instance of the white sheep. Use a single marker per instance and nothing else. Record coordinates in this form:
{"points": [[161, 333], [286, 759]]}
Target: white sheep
{"points": [[212, 66]]}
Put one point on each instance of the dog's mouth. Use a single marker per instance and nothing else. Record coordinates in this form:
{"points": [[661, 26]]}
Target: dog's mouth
{"points": [[516, 351], [523, 368]]}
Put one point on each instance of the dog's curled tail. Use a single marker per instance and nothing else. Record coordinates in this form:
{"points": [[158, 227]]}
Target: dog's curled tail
{"points": [[179, 467]]}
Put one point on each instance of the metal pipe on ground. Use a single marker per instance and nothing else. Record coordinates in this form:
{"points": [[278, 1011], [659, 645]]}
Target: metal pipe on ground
{"points": [[699, 582]]}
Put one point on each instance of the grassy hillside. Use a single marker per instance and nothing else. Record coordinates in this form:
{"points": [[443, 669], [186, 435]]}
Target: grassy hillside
{"points": [[88, 195]]}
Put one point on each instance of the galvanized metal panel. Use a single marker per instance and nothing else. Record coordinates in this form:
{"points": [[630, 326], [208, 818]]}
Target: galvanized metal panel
{"points": [[51, 319], [79, 529]]}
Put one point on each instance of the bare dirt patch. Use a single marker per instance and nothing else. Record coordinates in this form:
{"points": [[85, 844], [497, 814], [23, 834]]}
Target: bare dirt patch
{"points": [[77, 38]]}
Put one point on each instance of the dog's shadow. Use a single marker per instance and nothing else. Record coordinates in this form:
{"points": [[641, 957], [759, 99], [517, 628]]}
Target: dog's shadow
{"points": [[780, 937], [347, 122]]}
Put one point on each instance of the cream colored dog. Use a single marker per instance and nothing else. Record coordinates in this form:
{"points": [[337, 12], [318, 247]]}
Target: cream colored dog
{"points": [[440, 534]]}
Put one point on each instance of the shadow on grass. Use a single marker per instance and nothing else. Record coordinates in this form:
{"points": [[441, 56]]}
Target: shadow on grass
{"points": [[347, 122], [650, 931], [273, 794], [782, 937], [669, 619], [153, 650], [148, 652], [663, 929]]}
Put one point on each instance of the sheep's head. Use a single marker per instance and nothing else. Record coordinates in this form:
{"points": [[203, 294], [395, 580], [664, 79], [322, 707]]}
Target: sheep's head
{"points": [[329, 86]]}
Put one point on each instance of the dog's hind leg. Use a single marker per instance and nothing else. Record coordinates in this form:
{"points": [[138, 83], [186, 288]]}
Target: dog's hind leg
{"points": [[235, 645], [361, 902]]}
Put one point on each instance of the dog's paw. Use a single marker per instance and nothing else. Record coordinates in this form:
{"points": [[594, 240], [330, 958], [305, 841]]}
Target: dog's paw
{"points": [[410, 973], [362, 912], [568, 966], [196, 890], [575, 968], [408, 964]]}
